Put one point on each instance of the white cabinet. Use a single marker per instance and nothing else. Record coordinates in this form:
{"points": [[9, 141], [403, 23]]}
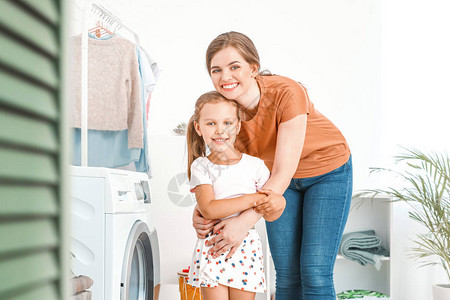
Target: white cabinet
{"points": [[367, 214]]}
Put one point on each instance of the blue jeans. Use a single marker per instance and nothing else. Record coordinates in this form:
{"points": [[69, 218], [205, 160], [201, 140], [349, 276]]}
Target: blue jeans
{"points": [[304, 241]]}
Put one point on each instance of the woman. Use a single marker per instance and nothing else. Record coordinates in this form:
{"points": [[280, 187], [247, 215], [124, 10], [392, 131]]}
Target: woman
{"points": [[310, 166]]}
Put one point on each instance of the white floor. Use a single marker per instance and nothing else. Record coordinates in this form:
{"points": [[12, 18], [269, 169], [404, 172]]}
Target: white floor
{"points": [[169, 292]]}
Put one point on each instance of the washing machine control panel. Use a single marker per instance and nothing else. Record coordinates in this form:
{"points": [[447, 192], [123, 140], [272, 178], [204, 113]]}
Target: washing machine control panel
{"points": [[130, 192]]}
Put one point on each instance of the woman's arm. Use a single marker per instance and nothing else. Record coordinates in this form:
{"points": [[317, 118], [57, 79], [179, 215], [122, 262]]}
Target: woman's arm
{"points": [[231, 232], [290, 140], [212, 208], [201, 225]]}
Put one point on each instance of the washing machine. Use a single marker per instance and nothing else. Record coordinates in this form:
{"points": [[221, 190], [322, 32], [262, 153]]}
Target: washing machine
{"points": [[114, 240]]}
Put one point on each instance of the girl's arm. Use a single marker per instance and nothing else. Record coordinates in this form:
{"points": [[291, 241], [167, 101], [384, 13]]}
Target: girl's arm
{"points": [[210, 208]]}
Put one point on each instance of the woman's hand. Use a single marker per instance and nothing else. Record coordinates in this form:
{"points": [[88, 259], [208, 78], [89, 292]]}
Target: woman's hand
{"points": [[272, 206], [231, 232], [201, 225]]}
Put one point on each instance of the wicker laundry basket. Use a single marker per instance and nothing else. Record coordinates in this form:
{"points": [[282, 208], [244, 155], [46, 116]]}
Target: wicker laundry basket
{"points": [[187, 291]]}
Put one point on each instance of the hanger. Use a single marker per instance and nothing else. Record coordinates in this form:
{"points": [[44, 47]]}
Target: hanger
{"points": [[100, 30], [102, 25]]}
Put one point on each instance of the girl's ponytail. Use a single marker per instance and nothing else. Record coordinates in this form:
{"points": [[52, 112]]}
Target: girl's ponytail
{"points": [[195, 145]]}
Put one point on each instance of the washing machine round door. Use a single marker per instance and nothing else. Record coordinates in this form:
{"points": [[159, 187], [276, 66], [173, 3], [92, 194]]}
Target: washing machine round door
{"points": [[137, 272]]}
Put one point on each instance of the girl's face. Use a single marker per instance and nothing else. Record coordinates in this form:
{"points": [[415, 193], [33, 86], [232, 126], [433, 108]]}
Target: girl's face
{"points": [[232, 76], [218, 125]]}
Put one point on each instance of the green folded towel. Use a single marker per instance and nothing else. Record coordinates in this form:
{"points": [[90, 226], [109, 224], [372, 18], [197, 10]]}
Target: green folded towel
{"points": [[361, 295], [363, 247]]}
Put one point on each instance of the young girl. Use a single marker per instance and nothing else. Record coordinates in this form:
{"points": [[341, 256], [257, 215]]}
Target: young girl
{"points": [[225, 183]]}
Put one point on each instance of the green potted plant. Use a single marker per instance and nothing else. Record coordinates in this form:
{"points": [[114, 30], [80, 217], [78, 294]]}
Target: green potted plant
{"points": [[426, 187]]}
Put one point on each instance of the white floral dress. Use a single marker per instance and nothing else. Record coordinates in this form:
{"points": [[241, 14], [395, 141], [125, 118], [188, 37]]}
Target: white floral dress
{"points": [[243, 271]]}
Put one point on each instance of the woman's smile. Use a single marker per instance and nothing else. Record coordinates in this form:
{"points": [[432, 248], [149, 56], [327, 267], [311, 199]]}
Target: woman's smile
{"points": [[230, 86]]}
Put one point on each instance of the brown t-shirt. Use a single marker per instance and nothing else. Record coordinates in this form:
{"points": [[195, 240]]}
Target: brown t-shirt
{"points": [[282, 99]]}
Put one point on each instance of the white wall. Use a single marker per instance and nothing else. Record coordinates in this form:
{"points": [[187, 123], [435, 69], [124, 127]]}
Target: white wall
{"points": [[414, 110], [415, 75], [332, 47], [378, 70]]}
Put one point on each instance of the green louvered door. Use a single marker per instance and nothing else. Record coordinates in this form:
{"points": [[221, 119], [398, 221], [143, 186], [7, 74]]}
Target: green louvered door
{"points": [[32, 246]]}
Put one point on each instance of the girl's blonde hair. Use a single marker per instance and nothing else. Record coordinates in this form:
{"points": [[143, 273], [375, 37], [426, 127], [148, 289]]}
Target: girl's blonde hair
{"points": [[195, 145]]}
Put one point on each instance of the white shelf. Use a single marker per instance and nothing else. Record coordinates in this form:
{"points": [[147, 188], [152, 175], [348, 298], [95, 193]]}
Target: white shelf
{"points": [[342, 257]]}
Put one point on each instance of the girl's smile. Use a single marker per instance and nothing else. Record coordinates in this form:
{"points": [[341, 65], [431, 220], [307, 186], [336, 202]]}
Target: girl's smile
{"points": [[220, 140]]}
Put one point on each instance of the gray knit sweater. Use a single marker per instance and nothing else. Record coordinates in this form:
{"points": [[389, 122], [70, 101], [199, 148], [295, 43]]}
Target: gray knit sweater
{"points": [[113, 87]]}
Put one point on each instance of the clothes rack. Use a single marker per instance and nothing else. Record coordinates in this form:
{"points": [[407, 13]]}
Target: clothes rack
{"points": [[113, 20]]}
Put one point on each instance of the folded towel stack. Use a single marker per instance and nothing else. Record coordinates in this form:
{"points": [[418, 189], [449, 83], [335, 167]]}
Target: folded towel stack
{"points": [[80, 284], [363, 247]]}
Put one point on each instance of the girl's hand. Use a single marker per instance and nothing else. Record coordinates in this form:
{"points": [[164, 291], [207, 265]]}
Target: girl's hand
{"points": [[201, 225], [230, 234], [272, 206]]}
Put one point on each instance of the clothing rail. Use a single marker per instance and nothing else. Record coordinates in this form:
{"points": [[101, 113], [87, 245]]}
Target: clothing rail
{"points": [[113, 20]]}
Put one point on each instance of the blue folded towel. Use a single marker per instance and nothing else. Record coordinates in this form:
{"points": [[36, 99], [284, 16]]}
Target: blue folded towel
{"points": [[363, 247]]}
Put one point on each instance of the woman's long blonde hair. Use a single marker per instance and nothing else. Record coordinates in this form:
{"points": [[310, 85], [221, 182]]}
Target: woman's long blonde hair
{"points": [[195, 145]]}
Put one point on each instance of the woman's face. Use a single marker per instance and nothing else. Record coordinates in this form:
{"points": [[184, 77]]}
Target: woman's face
{"points": [[232, 76]]}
